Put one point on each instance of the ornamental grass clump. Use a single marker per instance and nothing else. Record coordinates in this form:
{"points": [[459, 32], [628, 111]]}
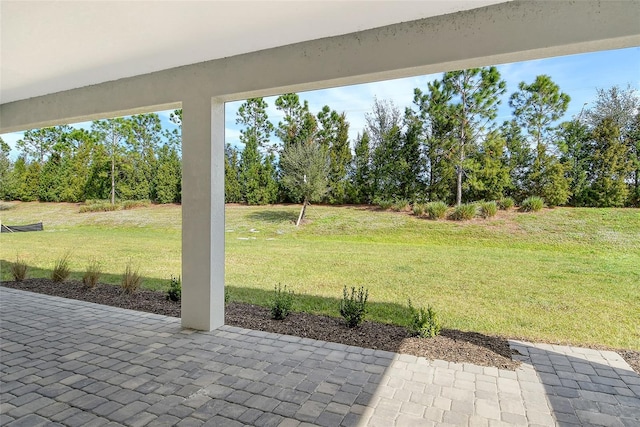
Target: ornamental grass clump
{"points": [[488, 209], [464, 212], [424, 323], [131, 280], [506, 203], [92, 274], [436, 210], [61, 269], [532, 204], [353, 308], [281, 303], [19, 269], [418, 209]]}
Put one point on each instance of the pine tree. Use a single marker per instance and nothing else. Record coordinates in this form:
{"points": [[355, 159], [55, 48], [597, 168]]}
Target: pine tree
{"points": [[360, 173], [477, 92], [232, 190], [537, 106], [488, 169], [168, 176], [6, 169], [610, 166], [333, 136], [438, 126]]}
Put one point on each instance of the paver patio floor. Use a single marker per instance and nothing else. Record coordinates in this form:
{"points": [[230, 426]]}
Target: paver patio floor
{"points": [[65, 362]]}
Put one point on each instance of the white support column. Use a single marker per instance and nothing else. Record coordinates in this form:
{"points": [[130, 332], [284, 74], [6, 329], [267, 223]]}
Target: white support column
{"points": [[202, 213]]}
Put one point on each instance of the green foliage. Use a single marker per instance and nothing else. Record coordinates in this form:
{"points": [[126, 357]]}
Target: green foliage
{"points": [[464, 212], [418, 209], [477, 92], [174, 293], [384, 203], [424, 323], [167, 187], [133, 204], [131, 279], [488, 209], [61, 269], [92, 274], [304, 171], [506, 203], [99, 206], [353, 307], [436, 210], [281, 303], [532, 204], [19, 269], [400, 205], [232, 187]]}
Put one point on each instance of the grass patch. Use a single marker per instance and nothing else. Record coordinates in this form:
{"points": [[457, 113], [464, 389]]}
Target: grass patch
{"points": [[565, 275]]}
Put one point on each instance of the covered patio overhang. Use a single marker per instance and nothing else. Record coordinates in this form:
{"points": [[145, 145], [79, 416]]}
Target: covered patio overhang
{"points": [[470, 37]]}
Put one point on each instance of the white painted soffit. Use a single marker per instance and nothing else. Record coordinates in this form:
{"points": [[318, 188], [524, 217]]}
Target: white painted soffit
{"points": [[51, 46]]}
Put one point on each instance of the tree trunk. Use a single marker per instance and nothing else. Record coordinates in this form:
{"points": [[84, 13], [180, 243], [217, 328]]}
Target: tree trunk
{"points": [[302, 211]]}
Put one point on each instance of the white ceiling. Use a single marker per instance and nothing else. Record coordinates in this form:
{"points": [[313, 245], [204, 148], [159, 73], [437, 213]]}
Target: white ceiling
{"points": [[51, 46]]}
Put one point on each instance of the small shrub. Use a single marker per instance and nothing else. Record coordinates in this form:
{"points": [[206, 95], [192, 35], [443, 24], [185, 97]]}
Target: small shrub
{"points": [[132, 204], [400, 205], [19, 270], [488, 209], [61, 270], [131, 280], [175, 289], [424, 323], [436, 210], [418, 209], [353, 308], [282, 302], [506, 203], [92, 274], [464, 212], [532, 204]]}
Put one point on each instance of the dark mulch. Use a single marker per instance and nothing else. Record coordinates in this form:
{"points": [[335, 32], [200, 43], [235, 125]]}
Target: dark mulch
{"points": [[451, 345]]}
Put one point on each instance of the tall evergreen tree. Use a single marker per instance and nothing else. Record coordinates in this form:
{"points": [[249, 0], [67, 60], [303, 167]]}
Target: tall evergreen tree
{"points": [[360, 173], [112, 134], [298, 124], [488, 169], [252, 114], [6, 172], [333, 136], [438, 125], [609, 167], [167, 184], [537, 106], [476, 95], [574, 144], [384, 128], [519, 159], [232, 188]]}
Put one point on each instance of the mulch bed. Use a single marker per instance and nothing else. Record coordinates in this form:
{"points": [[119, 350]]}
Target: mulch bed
{"points": [[451, 345]]}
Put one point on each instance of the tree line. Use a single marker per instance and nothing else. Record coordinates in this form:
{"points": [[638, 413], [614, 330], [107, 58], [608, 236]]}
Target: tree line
{"points": [[448, 146], [129, 158]]}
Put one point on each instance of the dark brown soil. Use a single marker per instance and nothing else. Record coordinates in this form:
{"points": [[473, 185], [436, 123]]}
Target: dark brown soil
{"points": [[451, 345]]}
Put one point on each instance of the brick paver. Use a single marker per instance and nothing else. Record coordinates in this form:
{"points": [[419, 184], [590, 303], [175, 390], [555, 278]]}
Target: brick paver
{"points": [[77, 363]]}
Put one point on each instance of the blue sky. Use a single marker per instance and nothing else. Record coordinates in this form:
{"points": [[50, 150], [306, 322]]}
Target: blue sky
{"points": [[577, 75]]}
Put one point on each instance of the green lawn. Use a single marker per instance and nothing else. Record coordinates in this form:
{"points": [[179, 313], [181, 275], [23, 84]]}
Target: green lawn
{"points": [[569, 275]]}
